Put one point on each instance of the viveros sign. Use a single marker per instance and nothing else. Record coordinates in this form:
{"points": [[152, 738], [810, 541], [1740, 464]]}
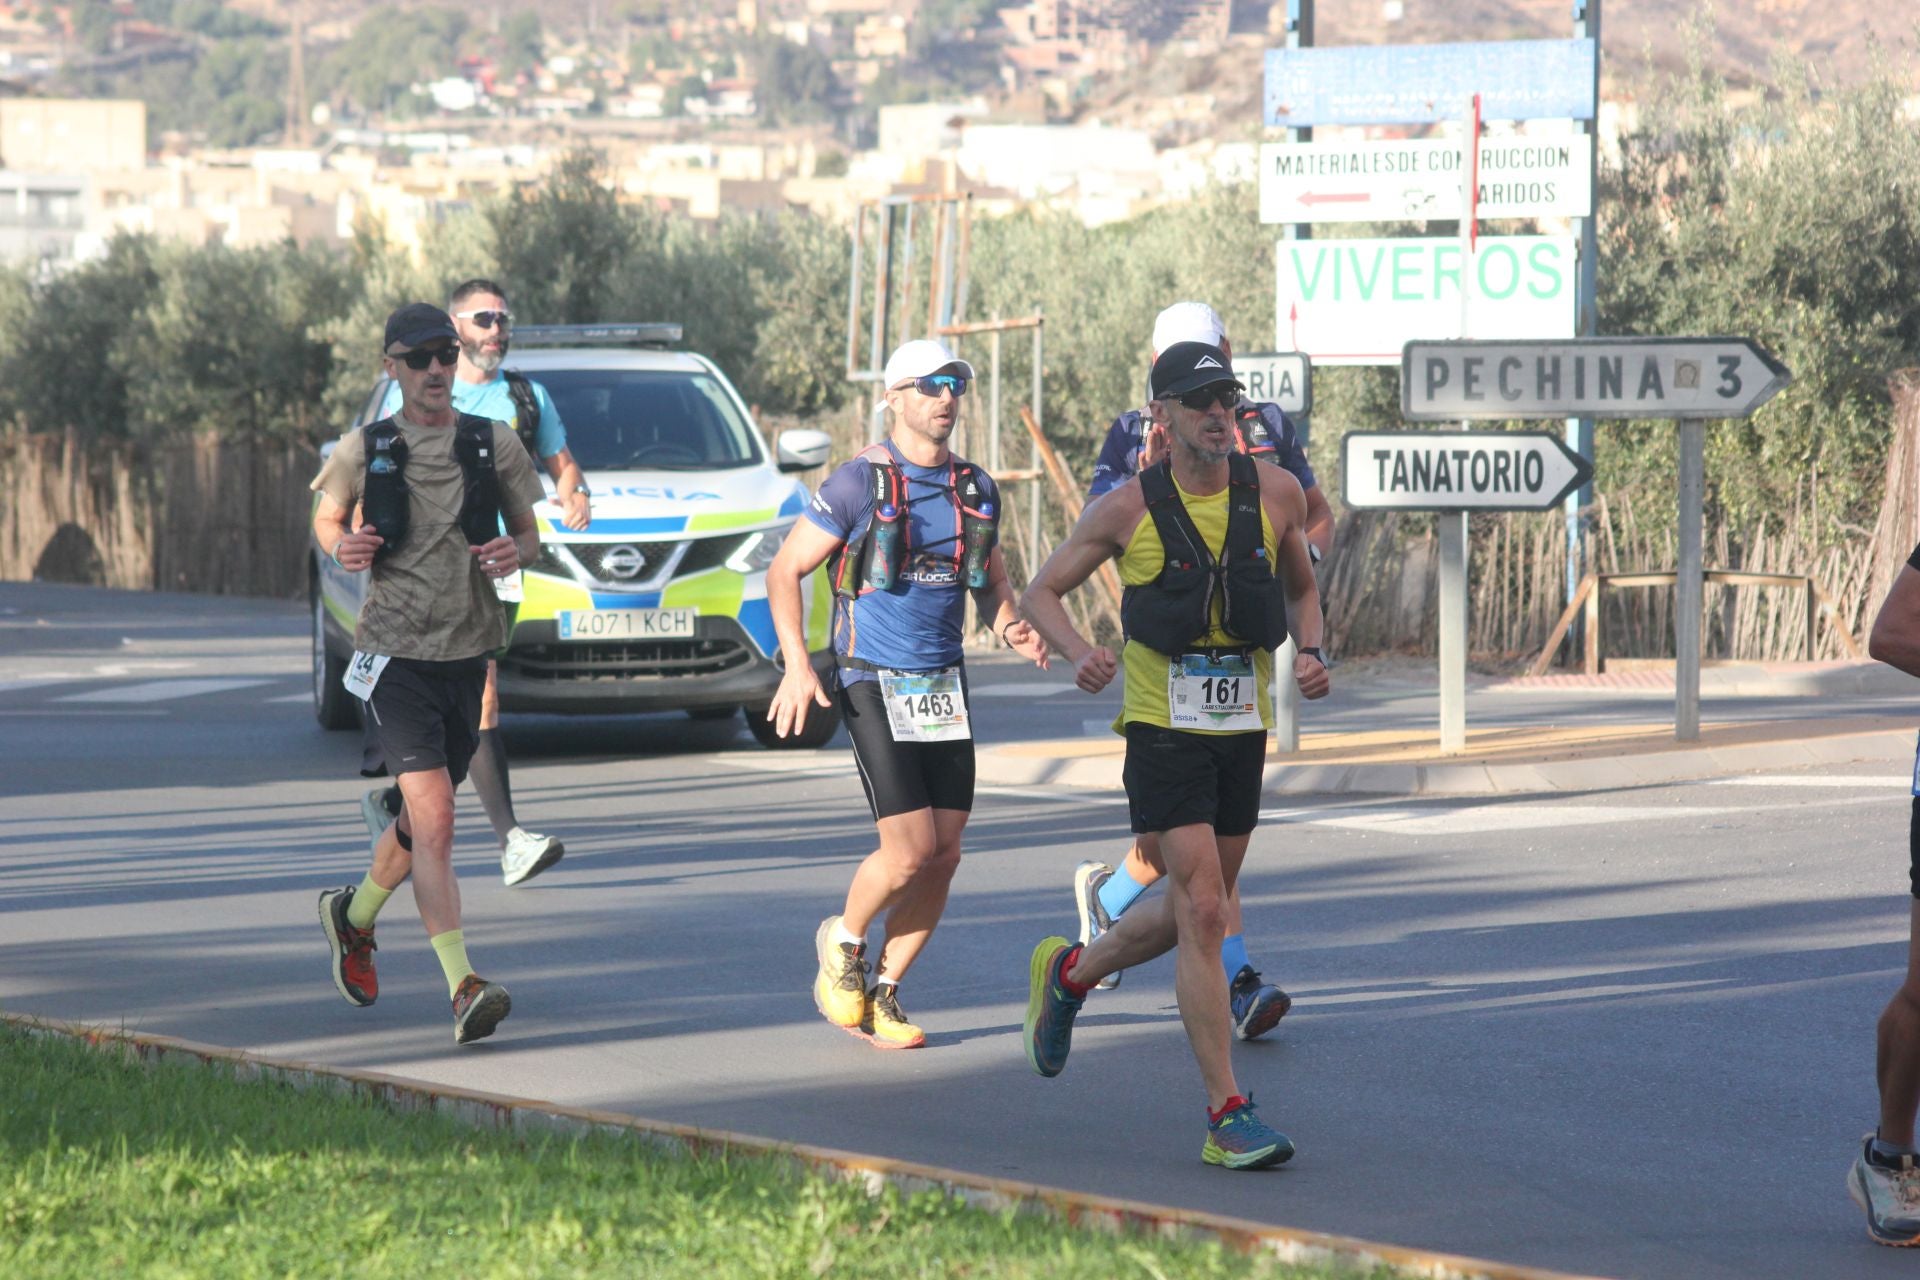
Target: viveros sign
{"points": [[1357, 302]]}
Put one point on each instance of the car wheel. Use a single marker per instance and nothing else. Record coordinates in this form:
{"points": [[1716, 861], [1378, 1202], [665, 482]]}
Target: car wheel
{"points": [[712, 713], [333, 706]]}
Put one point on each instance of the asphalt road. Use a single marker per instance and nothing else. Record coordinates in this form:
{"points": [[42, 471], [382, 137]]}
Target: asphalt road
{"points": [[1626, 1033]]}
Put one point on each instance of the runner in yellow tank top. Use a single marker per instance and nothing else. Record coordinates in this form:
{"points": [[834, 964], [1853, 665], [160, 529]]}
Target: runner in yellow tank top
{"points": [[1195, 788], [1144, 693]]}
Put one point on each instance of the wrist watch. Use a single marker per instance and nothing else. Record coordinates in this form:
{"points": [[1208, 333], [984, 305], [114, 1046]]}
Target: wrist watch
{"points": [[1318, 656], [1313, 553], [582, 490]]}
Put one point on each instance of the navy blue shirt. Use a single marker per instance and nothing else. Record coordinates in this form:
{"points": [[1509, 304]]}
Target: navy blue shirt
{"points": [[1267, 431], [916, 624]]}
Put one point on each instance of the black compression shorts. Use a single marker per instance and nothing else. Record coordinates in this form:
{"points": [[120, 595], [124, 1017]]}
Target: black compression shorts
{"points": [[1178, 779], [902, 777], [1913, 849], [423, 716]]}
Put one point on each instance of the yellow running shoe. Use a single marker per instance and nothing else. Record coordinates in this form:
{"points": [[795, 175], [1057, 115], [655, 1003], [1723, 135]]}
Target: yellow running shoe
{"points": [[840, 991], [886, 1025]]}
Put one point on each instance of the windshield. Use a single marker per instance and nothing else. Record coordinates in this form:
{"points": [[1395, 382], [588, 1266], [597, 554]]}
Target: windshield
{"points": [[633, 419]]}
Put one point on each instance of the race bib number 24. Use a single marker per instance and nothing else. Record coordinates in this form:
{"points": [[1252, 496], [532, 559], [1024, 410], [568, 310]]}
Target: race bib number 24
{"points": [[363, 673]]}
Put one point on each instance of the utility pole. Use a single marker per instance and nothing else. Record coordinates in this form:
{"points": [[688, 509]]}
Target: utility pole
{"points": [[297, 113], [1580, 436]]}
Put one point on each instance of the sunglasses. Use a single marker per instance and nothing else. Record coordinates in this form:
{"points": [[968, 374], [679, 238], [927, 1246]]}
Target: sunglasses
{"points": [[487, 319], [1224, 394], [418, 360], [933, 384]]}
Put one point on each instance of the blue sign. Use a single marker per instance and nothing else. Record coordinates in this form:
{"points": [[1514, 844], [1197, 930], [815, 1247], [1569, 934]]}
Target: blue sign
{"points": [[1425, 84]]}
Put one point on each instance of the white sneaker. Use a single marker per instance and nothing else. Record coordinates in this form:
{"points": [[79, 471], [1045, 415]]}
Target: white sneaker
{"points": [[528, 854], [1890, 1196], [1087, 879]]}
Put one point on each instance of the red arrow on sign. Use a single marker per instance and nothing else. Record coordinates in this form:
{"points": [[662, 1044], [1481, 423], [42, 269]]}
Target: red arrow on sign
{"points": [[1358, 197]]}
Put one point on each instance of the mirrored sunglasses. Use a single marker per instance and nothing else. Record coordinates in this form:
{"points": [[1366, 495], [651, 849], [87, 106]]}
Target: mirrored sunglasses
{"points": [[933, 384]]}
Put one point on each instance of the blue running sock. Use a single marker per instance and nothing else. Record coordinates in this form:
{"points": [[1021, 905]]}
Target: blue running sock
{"points": [[1233, 955], [1119, 892]]}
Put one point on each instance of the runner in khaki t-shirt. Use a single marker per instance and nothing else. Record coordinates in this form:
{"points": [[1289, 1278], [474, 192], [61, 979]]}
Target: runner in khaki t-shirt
{"points": [[429, 621]]}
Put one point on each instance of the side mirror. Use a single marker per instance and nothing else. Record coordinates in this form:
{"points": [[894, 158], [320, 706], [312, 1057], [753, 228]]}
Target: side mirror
{"points": [[802, 449]]}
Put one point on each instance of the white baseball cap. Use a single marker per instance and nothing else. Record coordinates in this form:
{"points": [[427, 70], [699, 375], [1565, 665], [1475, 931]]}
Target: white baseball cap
{"points": [[920, 357], [1188, 322]]}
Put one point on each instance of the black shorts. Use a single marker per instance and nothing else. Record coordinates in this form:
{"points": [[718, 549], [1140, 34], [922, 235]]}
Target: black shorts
{"points": [[903, 777], [1178, 779], [1913, 849], [424, 716]]}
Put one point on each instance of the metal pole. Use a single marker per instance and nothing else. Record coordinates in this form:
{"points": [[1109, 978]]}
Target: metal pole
{"points": [[853, 294], [993, 413], [1286, 694], [1453, 631], [1580, 436], [1034, 460], [1687, 587]]}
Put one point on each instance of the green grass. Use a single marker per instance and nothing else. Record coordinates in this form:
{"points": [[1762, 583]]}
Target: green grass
{"points": [[108, 1166]]}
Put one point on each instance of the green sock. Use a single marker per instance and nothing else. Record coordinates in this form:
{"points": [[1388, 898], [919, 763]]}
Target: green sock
{"points": [[366, 904], [451, 947]]}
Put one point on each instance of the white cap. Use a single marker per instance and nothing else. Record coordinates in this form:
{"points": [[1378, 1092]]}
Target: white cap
{"points": [[1188, 322], [920, 357]]}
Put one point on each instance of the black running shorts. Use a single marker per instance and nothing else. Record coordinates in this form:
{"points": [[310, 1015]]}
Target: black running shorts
{"points": [[1913, 847], [424, 716], [902, 777], [1178, 779]]}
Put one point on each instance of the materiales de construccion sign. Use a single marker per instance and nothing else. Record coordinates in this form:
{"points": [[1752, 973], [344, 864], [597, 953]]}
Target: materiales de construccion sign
{"points": [[1519, 177]]}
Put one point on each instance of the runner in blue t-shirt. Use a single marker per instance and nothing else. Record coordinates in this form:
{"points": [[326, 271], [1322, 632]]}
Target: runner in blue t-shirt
{"points": [[1103, 893], [902, 560], [481, 318]]}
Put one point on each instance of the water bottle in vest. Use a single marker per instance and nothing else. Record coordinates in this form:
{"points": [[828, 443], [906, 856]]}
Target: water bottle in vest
{"points": [[979, 530], [883, 559], [384, 504]]}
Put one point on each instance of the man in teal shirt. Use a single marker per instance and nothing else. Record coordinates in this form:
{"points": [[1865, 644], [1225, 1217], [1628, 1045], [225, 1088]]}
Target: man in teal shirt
{"points": [[484, 325]]}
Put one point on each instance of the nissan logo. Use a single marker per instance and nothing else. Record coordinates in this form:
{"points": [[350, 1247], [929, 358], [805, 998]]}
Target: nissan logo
{"points": [[622, 562]]}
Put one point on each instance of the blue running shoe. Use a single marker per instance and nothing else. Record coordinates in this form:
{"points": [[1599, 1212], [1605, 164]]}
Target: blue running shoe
{"points": [[1257, 1006], [1050, 1007], [1240, 1139]]}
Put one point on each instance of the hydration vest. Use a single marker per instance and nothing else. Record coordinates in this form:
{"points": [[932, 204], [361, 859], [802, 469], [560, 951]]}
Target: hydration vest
{"points": [[883, 550], [385, 502], [526, 413], [1174, 610]]}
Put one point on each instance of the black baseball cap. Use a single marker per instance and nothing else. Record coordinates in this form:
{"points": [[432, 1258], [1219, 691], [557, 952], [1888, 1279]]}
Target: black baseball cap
{"points": [[1188, 366], [418, 323]]}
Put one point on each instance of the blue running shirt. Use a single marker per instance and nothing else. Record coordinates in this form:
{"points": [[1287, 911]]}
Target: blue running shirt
{"points": [[493, 400], [916, 624]]}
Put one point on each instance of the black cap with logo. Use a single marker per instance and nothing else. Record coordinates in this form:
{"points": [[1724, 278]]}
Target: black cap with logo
{"points": [[1188, 366], [418, 323]]}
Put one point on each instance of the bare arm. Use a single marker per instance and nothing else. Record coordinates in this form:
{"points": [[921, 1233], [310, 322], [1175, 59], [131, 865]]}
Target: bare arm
{"points": [[1895, 639], [996, 603], [575, 513], [351, 551], [1099, 536], [1319, 526], [1286, 508], [806, 549]]}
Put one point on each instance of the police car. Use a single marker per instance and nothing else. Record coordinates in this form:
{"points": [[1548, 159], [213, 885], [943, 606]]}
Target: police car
{"points": [[660, 604]]}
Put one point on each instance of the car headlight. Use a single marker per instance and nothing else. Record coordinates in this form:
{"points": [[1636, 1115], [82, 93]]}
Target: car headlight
{"points": [[757, 550]]}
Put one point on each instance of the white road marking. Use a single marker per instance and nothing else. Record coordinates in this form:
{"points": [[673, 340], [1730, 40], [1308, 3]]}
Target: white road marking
{"points": [[294, 697], [161, 690], [1797, 780], [1472, 819], [1023, 689]]}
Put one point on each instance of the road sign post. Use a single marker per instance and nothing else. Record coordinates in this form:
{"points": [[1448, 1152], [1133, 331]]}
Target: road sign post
{"points": [[1286, 694], [1690, 380]]}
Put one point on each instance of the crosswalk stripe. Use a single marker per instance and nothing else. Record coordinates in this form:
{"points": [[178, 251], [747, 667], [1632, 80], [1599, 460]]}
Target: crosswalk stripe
{"points": [[160, 690]]}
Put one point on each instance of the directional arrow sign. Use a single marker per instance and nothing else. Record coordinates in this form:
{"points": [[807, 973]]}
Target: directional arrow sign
{"points": [[1458, 470], [1587, 378], [1282, 377], [1521, 176]]}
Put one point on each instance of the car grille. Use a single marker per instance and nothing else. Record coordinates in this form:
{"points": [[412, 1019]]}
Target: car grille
{"points": [[627, 659], [702, 554], [594, 557]]}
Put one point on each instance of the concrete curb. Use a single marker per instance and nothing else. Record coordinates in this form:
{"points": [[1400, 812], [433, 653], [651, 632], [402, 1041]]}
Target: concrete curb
{"points": [[1594, 773], [495, 1111]]}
